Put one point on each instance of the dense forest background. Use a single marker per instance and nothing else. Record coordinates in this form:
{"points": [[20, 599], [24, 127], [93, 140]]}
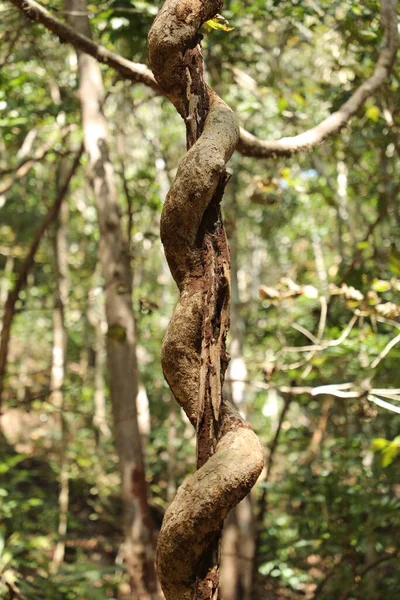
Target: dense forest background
{"points": [[315, 246]]}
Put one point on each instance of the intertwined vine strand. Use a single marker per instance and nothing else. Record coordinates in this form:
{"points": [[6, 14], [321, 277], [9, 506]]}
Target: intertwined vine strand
{"points": [[194, 358]]}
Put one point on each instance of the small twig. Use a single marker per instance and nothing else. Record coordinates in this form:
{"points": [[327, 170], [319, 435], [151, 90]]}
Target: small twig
{"points": [[322, 318], [325, 345], [16, 593], [388, 321], [392, 395], [383, 404], [305, 332], [385, 351]]}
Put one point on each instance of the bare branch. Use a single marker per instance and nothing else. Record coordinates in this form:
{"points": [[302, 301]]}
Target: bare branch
{"points": [[305, 332], [391, 394], [325, 345], [388, 321], [250, 145], [263, 500], [385, 351], [338, 390], [384, 404], [322, 318], [126, 68]]}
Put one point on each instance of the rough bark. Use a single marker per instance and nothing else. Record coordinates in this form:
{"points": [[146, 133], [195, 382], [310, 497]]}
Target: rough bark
{"points": [[248, 145], [121, 336], [194, 358]]}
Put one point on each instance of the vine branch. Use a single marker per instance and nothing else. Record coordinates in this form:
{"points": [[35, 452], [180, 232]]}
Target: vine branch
{"points": [[248, 144], [194, 357]]}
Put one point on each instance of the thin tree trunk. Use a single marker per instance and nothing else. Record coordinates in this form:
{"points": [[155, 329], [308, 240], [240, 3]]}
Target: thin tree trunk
{"points": [[57, 376], [99, 416], [343, 213], [262, 503], [27, 264], [96, 318], [238, 544], [142, 400], [5, 281], [315, 444], [121, 335]]}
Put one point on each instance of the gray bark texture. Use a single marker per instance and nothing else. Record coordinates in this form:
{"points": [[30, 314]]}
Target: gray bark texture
{"points": [[121, 338], [194, 358]]}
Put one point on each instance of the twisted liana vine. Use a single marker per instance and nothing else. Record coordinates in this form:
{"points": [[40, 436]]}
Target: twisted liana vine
{"points": [[194, 358]]}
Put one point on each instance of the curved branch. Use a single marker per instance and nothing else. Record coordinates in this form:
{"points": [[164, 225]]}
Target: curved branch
{"points": [[66, 34], [194, 358], [250, 145]]}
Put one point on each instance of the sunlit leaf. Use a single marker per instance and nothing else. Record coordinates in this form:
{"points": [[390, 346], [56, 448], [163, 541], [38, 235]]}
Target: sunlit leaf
{"points": [[218, 22], [379, 285], [379, 444], [372, 113]]}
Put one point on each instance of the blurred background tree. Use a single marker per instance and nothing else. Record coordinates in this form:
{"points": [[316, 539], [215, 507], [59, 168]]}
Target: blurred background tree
{"points": [[315, 317]]}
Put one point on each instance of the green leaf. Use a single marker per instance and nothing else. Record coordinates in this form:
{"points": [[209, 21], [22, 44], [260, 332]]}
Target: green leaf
{"points": [[362, 245], [389, 454], [379, 285], [372, 113], [218, 22], [379, 444]]}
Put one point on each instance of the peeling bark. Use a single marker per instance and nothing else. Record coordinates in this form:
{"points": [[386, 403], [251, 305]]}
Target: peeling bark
{"points": [[194, 357]]}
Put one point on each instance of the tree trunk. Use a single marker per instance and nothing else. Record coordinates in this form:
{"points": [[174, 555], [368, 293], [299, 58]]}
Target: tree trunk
{"points": [[315, 444], [121, 336], [194, 358], [96, 318], [237, 550], [262, 503], [57, 376], [6, 281]]}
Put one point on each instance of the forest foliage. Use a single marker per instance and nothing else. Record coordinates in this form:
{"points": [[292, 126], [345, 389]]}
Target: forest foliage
{"points": [[315, 243]]}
